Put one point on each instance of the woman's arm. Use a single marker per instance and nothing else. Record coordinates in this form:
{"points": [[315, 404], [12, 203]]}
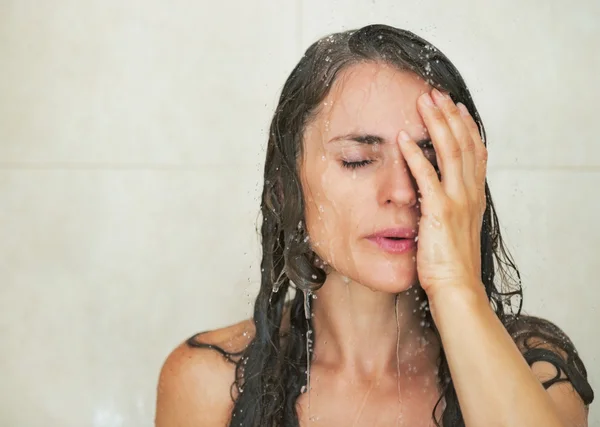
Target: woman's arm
{"points": [[494, 384]]}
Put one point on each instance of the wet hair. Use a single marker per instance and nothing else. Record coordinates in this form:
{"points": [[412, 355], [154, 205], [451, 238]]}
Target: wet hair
{"points": [[271, 372]]}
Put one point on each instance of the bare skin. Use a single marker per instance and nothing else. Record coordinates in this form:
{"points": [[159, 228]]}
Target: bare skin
{"points": [[195, 385], [204, 378], [374, 362]]}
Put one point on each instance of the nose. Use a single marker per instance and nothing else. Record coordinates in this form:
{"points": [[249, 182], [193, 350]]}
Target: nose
{"points": [[396, 183]]}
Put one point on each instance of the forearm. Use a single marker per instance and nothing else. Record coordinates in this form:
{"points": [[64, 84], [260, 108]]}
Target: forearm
{"points": [[494, 384]]}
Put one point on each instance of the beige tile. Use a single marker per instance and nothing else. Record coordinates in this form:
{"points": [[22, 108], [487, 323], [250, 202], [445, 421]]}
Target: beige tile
{"points": [[103, 273], [141, 82], [533, 84]]}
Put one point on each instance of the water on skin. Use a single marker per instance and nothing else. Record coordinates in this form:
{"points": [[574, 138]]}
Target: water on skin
{"points": [[398, 362], [308, 315], [423, 307]]}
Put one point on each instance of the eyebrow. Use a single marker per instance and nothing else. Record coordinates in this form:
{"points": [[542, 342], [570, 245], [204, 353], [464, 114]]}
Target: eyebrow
{"points": [[371, 139]]}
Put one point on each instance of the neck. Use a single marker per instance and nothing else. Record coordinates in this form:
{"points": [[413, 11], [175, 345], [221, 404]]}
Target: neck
{"points": [[369, 333]]}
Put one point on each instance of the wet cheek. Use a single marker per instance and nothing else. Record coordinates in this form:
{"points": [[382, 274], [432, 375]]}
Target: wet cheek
{"points": [[323, 223], [330, 236]]}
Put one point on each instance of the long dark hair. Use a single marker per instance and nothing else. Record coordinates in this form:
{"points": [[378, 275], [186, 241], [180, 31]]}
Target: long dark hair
{"points": [[271, 371]]}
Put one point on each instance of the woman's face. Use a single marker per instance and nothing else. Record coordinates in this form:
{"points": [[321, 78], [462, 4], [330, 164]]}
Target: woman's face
{"points": [[355, 180]]}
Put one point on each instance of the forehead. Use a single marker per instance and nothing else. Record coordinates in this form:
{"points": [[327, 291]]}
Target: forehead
{"points": [[374, 97]]}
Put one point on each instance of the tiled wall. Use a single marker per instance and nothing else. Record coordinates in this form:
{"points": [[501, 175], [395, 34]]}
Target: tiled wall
{"points": [[132, 138]]}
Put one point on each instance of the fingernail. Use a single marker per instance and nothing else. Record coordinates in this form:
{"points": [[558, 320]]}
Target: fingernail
{"points": [[427, 99], [463, 110], [404, 136]]}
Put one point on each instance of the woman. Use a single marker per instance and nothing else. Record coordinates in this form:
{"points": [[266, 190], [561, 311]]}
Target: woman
{"points": [[378, 219]]}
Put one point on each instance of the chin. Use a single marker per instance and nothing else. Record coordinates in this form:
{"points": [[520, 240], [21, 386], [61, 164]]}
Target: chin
{"points": [[385, 277], [375, 270], [391, 287], [393, 275]]}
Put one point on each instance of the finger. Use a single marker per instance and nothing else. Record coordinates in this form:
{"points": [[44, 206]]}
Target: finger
{"points": [[422, 170], [481, 153], [462, 135], [449, 154]]}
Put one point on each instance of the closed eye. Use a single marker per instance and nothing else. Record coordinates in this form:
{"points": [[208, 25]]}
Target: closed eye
{"points": [[354, 165]]}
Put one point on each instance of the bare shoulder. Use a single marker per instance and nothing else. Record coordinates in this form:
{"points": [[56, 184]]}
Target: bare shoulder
{"points": [[555, 361], [195, 383]]}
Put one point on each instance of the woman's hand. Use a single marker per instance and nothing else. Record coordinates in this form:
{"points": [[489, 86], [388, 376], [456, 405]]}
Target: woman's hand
{"points": [[449, 253]]}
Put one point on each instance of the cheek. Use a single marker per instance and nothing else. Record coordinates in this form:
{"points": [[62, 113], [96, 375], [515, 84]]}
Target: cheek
{"points": [[333, 223], [336, 204]]}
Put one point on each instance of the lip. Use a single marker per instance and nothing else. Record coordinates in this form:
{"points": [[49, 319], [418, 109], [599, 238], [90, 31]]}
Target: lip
{"points": [[394, 246], [404, 242], [404, 233]]}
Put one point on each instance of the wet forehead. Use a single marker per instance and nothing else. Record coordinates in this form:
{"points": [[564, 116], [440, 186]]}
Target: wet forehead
{"points": [[374, 98]]}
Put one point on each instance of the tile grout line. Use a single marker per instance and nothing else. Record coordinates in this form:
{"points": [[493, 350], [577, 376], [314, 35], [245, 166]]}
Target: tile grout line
{"points": [[199, 166], [84, 166]]}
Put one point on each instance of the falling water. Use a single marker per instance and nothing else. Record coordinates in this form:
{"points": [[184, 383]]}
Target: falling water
{"points": [[398, 360], [307, 296]]}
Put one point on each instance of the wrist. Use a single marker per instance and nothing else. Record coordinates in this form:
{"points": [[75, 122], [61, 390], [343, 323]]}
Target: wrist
{"points": [[466, 296]]}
